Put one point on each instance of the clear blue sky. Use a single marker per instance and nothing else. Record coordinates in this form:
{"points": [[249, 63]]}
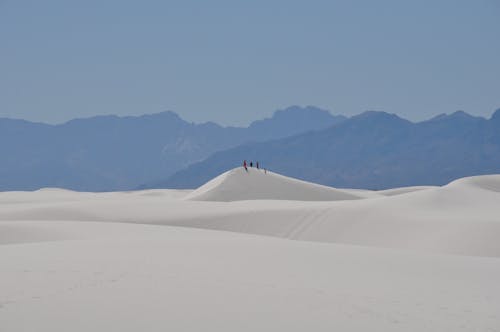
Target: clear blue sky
{"points": [[236, 61]]}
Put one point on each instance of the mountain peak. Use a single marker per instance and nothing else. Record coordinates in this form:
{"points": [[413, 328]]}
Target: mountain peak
{"points": [[455, 116], [97, 118], [378, 116], [462, 115], [496, 115], [295, 109], [165, 115], [437, 117], [293, 120]]}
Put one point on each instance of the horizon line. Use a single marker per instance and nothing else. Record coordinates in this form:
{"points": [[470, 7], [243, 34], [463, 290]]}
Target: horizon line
{"points": [[110, 115]]}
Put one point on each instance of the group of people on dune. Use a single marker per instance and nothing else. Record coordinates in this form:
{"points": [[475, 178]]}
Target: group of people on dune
{"points": [[245, 165]]}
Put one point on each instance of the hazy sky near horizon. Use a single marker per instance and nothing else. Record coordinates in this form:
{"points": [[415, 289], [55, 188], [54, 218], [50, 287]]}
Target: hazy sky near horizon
{"points": [[236, 61]]}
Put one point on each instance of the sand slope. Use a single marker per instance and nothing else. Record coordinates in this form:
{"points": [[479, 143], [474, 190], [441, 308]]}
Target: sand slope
{"points": [[125, 277], [238, 184], [460, 218]]}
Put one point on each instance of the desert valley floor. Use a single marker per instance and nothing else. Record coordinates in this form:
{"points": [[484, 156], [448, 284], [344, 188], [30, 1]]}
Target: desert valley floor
{"points": [[253, 251]]}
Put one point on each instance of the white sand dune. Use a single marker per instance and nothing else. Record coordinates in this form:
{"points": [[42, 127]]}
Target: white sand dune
{"points": [[124, 277], [238, 184], [485, 182], [460, 218], [404, 190], [378, 261]]}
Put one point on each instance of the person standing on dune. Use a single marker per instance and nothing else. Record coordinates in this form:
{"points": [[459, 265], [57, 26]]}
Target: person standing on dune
{"points": [[245, 165]]}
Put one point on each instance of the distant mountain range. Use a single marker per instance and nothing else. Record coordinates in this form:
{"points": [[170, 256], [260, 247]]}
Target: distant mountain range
{"points": [[107, 153], [373, 150]]}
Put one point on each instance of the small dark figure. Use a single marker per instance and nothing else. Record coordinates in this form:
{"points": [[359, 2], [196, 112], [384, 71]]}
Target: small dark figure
{"points": [[257, 165], [251, 164], [245, 165]]}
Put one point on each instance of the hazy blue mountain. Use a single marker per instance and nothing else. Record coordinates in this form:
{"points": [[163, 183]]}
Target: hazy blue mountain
{"points": [[114, 153], [373, 150], [292, 121]]}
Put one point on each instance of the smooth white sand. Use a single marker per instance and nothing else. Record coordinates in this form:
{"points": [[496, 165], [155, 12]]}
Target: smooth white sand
{"points": [[415, 260], [257, 184]]}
